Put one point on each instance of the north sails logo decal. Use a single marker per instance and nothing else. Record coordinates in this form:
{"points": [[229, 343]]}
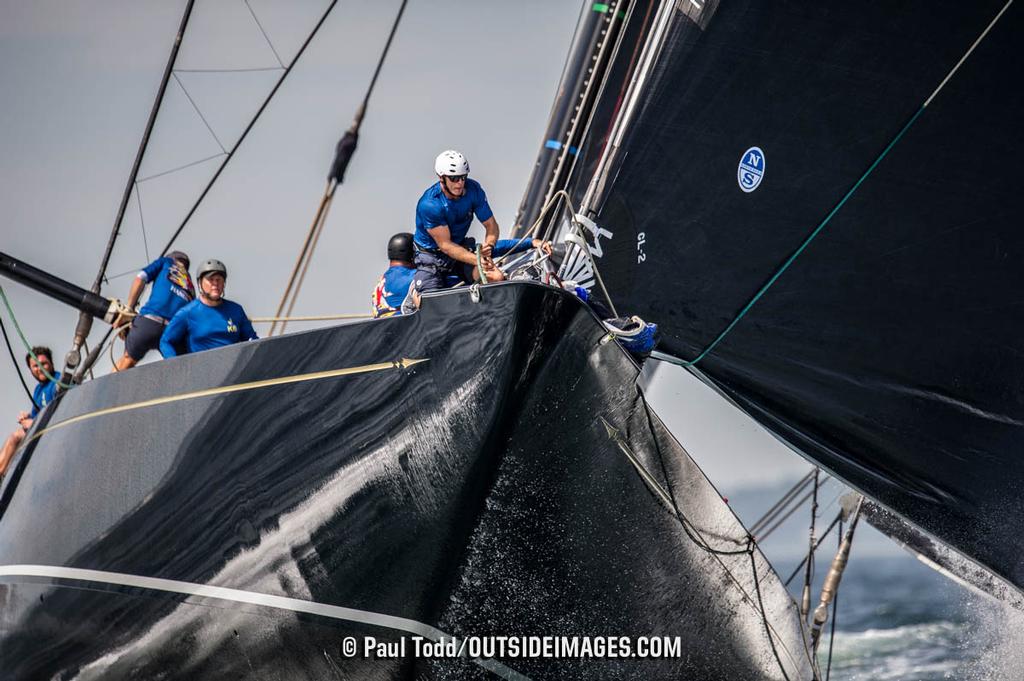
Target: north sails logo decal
{"points": [[751, 169], [577, 266]]}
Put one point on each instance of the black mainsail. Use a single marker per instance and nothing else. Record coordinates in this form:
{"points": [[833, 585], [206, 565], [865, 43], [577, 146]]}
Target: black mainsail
{"points": [[817, 205]]}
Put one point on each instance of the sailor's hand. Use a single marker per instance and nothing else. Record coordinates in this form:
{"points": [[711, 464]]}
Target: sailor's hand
{"points": [[494, 274], [122, 322], [24, 420], [487, 250], [544, 246]]}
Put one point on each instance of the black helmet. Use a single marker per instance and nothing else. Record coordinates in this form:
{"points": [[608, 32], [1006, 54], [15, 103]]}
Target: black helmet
{"points": [[400, 247], [179, 255], [210, 267]]}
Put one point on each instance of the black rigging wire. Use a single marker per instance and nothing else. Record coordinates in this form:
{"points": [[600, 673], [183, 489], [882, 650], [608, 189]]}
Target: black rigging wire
{"points": [[784, 500], [344, 151], [142, 220], [384, 53], [17, 365], [796, 507], [764, 616], [248, 128], [168, 70], [181, 167], [91, 359], [199, 113], [828, 530], [702, 544], [264, 32], [245, 70]]}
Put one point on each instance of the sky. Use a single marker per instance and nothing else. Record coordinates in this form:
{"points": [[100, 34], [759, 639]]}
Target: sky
{"points": [[78, 80]]}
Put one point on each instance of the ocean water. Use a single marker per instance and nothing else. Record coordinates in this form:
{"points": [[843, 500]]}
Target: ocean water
{"points": [[900, 620]]}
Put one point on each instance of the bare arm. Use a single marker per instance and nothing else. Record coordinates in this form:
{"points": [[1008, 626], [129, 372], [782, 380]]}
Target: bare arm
{"points": [[491, 225], [138, 284], [443, 238]]}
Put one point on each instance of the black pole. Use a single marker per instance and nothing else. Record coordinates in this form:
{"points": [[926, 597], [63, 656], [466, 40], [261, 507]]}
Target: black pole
{"points": [[84, 326], [168, 70], [89, 303], [248, 128]]}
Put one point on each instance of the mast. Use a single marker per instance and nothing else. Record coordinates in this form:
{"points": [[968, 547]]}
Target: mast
{"points": [[74, 356], [590, 56]]}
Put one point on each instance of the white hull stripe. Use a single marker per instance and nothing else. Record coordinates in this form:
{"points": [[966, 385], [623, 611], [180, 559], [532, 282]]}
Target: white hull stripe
{"points": [[238, 596]]}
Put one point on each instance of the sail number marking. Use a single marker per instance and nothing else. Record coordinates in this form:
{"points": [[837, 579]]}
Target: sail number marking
{"points": [[641, 238]]}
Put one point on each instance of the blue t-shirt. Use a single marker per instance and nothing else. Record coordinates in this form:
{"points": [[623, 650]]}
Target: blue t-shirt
{"points": [[172, 288], [391, 290], [204, 327], [44, 394], [434, 209]]}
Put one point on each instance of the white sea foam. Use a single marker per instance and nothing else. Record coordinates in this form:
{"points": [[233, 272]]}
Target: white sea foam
{"points": [[917, 652], [997, 635]]}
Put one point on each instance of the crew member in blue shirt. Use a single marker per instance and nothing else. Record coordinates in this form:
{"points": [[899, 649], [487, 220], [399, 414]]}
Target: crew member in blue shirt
{"points": [[393, 286], [443, 216], [44, 393], [172, 290], [211, 320], [394, 291]]}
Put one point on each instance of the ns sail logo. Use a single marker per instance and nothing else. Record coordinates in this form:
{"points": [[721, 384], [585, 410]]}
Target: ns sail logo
{"points": [[751, 169]]}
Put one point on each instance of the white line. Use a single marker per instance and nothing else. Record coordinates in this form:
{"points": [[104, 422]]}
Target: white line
{"points": [[968, 53], [238, 596]]}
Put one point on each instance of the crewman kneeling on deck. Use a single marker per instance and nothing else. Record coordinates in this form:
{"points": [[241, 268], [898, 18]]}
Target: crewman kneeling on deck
{"points": [[44, 393], [172, 290], [443, 216], [394, 285], [211, 320]]}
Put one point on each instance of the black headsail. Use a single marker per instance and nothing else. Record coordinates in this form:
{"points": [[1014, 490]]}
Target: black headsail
{"points": [[818, 205]]}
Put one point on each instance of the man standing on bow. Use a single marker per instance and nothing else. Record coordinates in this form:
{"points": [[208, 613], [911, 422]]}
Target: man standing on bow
{"points": [[443, 216], [172, 290], [40, 363], [211, 320]]}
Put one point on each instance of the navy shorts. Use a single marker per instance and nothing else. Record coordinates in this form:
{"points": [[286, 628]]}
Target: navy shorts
{"points": [[436, 271], [143, 336]]}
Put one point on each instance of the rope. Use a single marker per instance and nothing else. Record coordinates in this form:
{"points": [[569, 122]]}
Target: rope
{"points": [[835, 613], [343, 154], [17, 327], [480, 264], [305, 265], [314, 318], [17, 365], [885, 152], [764, 616], [325, 201], [694, 534], [574, 225]]}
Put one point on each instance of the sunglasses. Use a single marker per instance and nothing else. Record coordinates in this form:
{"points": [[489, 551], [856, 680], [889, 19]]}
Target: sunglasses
{"points": [[456, 178]]}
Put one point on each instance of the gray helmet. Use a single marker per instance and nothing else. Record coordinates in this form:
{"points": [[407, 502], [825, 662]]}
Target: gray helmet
{"points": [[211, 266]]}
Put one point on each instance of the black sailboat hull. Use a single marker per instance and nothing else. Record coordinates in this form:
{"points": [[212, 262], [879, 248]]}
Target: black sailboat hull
{"points": [[463, 471]]}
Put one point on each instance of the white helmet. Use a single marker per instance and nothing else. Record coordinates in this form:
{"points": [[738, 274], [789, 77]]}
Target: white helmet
{"points": [[451, 162]]}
